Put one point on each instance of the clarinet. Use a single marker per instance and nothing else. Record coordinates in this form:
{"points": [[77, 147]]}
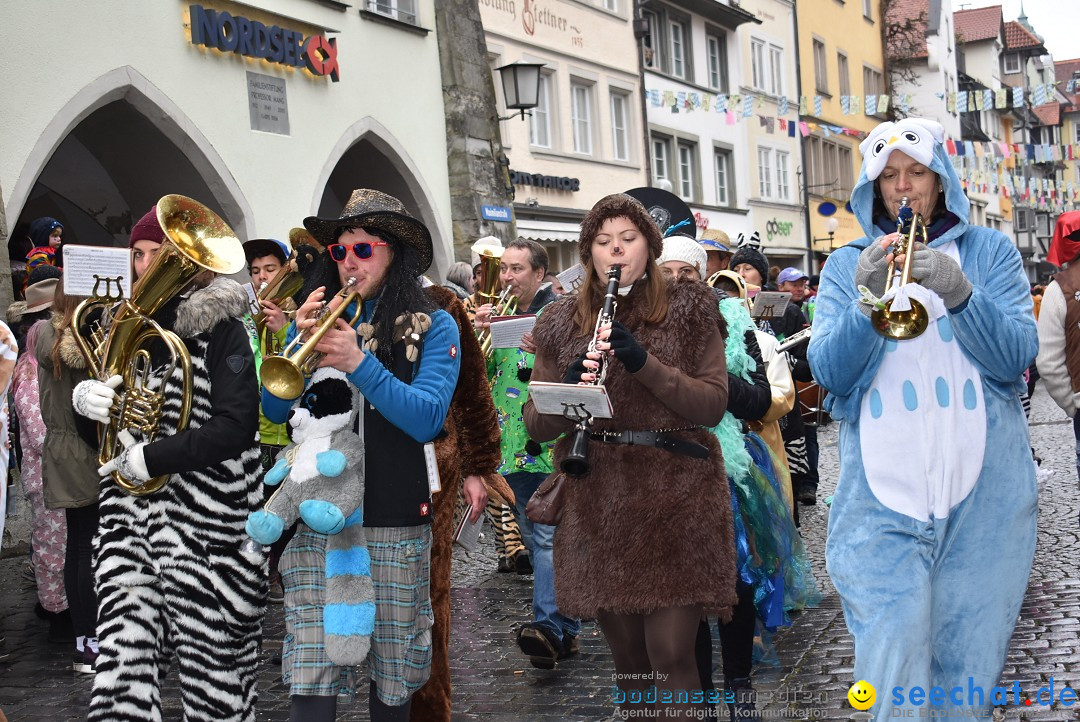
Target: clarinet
{"points": [[576, 462]]}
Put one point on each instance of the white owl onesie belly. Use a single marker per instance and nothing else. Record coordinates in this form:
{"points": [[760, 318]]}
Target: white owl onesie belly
{"points": [[932, 527]]}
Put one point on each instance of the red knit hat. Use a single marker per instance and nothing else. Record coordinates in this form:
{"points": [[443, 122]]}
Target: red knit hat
{"points": [[147, 229]]}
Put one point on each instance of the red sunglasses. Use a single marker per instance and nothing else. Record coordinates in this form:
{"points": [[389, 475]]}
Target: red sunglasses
{"points": [[339, 251]]}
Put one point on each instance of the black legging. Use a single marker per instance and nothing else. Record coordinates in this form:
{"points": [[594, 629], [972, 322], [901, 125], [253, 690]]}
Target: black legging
{"points": [[309, 708], [736, 638], [82, 524], [661, 642]]}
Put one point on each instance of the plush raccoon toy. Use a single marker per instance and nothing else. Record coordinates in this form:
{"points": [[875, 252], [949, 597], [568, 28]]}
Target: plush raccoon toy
{"points": [[321, 477]]}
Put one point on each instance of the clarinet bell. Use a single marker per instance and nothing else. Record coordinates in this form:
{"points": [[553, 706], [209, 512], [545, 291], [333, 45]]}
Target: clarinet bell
{"points": [[576, 462]]}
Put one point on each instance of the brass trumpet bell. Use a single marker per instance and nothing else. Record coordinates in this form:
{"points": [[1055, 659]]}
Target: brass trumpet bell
{"points": [[902, 325]]}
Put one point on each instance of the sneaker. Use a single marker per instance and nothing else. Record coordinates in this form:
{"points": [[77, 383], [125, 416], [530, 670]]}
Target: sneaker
{"points": [[89, 662], [77, 662], [522, 563], [539, 644], [276, 593], [807, 495]]}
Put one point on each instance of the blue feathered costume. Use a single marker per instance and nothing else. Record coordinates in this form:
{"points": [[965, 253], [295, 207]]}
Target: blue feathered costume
{"points": [[932, 529]]}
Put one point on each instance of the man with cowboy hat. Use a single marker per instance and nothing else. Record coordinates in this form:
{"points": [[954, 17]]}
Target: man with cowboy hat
{"points": [[403, 357]]}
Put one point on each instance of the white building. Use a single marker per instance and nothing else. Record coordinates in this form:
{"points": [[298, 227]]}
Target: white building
{"points": [[981, 40], [693, 60], [267, 111], [926, 49]]}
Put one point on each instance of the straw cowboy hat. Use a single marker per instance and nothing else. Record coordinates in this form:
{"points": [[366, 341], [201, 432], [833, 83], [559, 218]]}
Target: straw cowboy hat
{"points": [[369, 208]]}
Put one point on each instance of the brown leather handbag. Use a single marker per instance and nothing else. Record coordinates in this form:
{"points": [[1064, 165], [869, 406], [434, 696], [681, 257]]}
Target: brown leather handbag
{"points": [[546, 504]]}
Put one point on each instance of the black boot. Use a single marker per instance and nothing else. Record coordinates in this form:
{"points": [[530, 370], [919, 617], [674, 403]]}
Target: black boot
{"points": [[740, 698]]}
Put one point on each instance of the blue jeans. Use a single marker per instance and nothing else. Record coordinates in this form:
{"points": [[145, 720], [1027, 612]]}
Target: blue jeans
{"points": [[539, 539]]}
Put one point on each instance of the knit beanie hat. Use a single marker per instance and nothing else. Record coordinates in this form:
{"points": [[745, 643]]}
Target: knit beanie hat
{"points": [[43, 273], [687, 250], [618, 205], [147, 229], [755, 258]]}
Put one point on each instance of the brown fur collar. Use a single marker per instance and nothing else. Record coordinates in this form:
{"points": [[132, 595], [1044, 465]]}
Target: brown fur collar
{"points": [[69, 350]]}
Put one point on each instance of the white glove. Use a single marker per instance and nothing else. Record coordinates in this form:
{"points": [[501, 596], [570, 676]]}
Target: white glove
{"points": [[93, 399], [131, 462]]}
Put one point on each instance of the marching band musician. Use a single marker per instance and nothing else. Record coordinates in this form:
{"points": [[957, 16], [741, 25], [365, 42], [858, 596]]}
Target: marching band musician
{"points": [[265, 257], [625, 553], [406, 369], [934, 452], [173, 575]]}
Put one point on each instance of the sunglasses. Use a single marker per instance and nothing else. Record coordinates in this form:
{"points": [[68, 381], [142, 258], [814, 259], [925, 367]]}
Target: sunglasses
{"points": [[363, 251]]}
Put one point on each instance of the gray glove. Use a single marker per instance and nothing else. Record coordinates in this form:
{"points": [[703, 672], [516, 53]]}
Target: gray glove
{"points": [[870, 271], [941, 274]]}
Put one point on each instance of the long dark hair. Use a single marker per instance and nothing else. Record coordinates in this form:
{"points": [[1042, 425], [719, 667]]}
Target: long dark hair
{"points": [[401, 289]]}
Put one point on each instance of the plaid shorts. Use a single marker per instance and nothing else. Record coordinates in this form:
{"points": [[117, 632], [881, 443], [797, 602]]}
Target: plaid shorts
{"points": [[400, 656]]}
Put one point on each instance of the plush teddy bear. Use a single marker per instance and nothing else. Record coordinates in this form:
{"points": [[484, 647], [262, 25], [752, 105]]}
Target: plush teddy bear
{"points": [[321, 477]]}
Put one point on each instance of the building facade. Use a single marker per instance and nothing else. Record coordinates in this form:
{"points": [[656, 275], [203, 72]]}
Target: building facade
{"points": [[840, 58], [693, 65], [584, 139], [768, 50], [267, 112]]}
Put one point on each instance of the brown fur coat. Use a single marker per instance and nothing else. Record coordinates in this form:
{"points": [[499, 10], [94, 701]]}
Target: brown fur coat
{"points": [[469, 445], [646, 528]]}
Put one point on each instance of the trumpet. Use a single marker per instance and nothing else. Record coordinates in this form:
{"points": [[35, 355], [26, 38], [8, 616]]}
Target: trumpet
{"points": [[196, 239], [903, 323], [279, 290], [576, 462], [284, 375]]}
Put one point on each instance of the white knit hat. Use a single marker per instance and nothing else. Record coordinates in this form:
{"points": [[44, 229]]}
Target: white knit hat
{"points": [[687, 250]]}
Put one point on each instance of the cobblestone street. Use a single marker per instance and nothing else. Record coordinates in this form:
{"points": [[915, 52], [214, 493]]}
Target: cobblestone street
{"points": [[494, 682]]}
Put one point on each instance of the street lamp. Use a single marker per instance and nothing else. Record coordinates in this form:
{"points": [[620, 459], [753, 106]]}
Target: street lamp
{"points": [[521, 87], [831, 224]]}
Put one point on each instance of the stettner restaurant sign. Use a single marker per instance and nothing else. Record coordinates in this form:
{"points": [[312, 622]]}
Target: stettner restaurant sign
{"points": [[236, 34]]}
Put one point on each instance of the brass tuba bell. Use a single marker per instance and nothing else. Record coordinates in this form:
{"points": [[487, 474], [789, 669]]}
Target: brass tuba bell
{"points": [[903, 324], [196, 240]]}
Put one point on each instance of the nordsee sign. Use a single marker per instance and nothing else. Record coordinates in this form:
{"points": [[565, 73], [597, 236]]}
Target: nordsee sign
{"points": [[495, 213], [235, 34]]}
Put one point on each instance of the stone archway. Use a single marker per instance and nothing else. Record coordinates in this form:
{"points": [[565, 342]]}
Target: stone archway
{"points": [[115, 148]]}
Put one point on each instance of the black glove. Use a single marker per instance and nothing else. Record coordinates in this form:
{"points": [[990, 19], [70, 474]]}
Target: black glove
{"points": [[626, 348], [573, 374]]}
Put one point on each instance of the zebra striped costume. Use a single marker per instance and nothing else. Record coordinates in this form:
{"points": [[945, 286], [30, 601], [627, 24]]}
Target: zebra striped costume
{"points": [[172, 577]]}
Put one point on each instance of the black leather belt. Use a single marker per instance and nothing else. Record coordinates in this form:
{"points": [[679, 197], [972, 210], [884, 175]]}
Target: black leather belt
{"points": [[658, 439]]}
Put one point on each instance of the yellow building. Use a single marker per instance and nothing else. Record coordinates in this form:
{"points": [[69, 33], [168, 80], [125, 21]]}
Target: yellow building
{"points": [[840, 56]]}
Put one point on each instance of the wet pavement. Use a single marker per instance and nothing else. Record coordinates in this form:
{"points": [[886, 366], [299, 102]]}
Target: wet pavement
{"points": [[492, 681]]}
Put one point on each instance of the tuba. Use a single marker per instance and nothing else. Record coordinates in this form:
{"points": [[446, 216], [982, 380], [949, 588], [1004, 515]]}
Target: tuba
{"points": [[502, 304], [196, 240], [903, 323], [284, 375]]}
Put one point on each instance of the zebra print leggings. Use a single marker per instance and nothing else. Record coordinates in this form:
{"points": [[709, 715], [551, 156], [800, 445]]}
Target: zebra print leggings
{"points": [[159, 598]]}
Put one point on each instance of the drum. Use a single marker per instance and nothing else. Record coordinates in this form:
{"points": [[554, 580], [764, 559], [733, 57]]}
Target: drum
{"points": [[811, 400]]}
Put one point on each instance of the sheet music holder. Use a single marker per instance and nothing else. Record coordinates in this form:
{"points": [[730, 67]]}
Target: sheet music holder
{"points": [[574, 401], [102, 271], [769, 304]]}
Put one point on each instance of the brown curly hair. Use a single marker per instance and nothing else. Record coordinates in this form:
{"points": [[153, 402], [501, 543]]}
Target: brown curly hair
{"points": [[590, 298]]}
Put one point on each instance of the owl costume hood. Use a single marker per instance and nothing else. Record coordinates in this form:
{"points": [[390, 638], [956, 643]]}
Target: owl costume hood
{"points": [[918, 526], [922, 140]]}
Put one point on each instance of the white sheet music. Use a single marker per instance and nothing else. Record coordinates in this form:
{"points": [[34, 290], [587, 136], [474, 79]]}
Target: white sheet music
{"points": [[85, 266], [565, 399], [506, 331], [572, 278], [770, 304]]}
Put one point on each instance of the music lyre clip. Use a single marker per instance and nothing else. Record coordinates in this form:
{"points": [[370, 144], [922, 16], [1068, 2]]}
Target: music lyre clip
{"points": [[576, 412], [108, 295]]}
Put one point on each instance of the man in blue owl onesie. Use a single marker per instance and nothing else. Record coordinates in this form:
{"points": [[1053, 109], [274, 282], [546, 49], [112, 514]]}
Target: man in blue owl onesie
{"points": [[932, 528]]}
